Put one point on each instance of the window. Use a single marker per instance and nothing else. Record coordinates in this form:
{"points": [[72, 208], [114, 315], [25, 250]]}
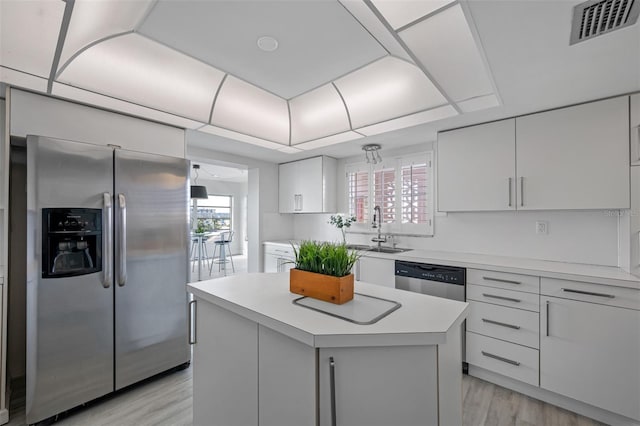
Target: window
{"points": [[214, 214], [403, 189]]}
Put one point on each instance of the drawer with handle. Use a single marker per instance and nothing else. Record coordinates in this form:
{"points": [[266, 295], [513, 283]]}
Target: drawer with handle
{"points": [[511, 360], [590, 292], [513, 325], [279, 250], [518, 282], [504, 297]]}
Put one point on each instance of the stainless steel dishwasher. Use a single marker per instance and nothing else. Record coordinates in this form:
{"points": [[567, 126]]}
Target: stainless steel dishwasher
{"points": [[448, 282]]}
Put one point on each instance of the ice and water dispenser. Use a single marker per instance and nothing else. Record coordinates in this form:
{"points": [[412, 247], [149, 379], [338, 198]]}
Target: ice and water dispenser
{"points": [[71, 242]]}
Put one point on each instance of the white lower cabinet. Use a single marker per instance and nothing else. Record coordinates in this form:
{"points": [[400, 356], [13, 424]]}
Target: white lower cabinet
{"points": [[225, 366], [513, 325], [287, 378], [366, 380], [509, 359], [376, 270], [591, 352]]}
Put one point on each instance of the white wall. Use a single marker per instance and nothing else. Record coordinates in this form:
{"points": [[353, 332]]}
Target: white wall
{"points": [[573, 236]]}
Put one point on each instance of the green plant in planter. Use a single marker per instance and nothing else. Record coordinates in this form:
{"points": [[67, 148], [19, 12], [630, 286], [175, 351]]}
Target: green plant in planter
{"points": [[325, 258]]}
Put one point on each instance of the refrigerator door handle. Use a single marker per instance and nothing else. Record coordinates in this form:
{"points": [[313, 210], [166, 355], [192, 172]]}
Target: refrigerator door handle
{"points": [[122, 241], [107, 240]]}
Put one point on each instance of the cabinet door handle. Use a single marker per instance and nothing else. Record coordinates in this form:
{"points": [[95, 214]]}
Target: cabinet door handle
{"points": [[501, 324], [521, 191], [332, 387], [193, 309], [588, 293], [638, 143], [509, 299], [510, 192], [500, 280], [547, 315], [499, 358], [301, 202]]}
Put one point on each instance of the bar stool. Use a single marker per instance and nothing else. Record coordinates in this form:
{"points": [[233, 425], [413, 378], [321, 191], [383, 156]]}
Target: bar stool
{"points": [[223, 245], [201, 240]]}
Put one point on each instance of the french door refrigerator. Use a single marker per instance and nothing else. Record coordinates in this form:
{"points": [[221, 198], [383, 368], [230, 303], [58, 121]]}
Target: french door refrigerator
{"points": [[107, 256]]}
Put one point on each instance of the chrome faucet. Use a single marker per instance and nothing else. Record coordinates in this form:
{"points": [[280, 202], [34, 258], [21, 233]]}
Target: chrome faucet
{"points": [[377, 214]]}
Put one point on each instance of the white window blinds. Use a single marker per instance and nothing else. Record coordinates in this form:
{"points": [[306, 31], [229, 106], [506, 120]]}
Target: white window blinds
{"points": [[358, 193], [402, 187], [384, 190]]}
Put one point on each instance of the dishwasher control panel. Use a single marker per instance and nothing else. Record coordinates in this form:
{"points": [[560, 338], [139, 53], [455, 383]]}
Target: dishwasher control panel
{"points": [[431, 272]]}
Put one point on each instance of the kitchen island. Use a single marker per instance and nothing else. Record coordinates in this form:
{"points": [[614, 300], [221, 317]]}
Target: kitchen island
{"points": [[261, 359]]}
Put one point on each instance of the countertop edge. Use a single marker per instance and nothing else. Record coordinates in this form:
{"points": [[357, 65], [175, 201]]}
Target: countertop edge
{"points": [[330, 340], [604, 274]]}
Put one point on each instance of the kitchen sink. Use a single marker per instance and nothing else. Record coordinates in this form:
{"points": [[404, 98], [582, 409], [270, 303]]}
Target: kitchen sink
{"points": [[363, 247], [358, 247], [388, 250]]}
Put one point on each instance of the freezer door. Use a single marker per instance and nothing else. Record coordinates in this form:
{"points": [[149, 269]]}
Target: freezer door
{"points": [[151, 211], [69, 319]]}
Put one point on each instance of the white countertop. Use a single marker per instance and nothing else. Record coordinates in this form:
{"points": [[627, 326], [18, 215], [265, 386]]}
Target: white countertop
{"points": [[265, 299], [609, 275]]}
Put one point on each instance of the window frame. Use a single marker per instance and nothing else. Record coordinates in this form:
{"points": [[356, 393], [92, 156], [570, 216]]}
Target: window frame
{"points": [[397, 227], [199, 206]]}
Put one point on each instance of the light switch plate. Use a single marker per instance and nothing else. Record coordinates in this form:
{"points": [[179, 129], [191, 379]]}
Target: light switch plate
{"points": [[542, 227]]}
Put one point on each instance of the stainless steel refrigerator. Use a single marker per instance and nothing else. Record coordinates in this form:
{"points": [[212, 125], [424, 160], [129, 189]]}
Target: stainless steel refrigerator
{"points": [[107, 256]]}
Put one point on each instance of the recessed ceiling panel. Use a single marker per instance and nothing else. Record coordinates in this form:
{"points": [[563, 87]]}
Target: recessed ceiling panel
{"points": [[317, 114], [133, 68], [114, 104], [93, 20], [445, 46], [318, 41], [29, 34], [387, 89], [409, 121], [248, 109], [402, 12]]}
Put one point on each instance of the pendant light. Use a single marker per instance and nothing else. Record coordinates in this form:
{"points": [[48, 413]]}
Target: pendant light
{"points": [[372, 153], [198, 191]]}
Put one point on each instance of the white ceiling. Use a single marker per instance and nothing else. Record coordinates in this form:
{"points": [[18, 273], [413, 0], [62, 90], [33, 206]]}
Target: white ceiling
{"points": [[523, 46], [318, 41]]}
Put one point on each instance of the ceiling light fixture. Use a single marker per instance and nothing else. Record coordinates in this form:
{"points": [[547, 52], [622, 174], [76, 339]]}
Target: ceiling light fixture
{"points": [[372, 153], [267, 43], [198, 191]]}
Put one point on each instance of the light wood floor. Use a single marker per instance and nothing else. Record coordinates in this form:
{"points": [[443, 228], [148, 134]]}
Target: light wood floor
{"points": [[167, 401]]}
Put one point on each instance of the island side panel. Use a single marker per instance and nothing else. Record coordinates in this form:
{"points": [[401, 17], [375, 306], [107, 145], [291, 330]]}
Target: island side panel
{"points": [[287, 380], [450, 378], [225, 368], [380, 386]]}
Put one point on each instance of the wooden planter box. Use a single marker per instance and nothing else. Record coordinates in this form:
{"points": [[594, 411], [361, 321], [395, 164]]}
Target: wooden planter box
{"points": [[336, 290]]}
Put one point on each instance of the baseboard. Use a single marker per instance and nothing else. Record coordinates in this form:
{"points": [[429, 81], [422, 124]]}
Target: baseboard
{"points": [[552, 398]]}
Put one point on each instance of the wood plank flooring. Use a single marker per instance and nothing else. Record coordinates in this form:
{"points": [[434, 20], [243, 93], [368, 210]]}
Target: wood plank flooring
{"points": [[167, 401]]}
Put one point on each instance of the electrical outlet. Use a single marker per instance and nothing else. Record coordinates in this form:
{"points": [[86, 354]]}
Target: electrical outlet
{"points": [[541, 227]]}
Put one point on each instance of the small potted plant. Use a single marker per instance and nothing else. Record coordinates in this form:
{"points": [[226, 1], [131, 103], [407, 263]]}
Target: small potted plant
{"points": [[323, 271], [342, 222]]}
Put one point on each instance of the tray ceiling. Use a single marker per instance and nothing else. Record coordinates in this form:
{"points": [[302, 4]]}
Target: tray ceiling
{"points": [[343, 70]]}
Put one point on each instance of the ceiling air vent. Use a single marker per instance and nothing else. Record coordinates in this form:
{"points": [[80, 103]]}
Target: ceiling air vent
{"points": [[596, 17]]}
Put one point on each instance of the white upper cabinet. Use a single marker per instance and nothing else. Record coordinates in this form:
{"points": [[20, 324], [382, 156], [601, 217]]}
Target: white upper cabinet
{"points": [[566, 159], [477, 168], [574, 158], [635, 129], [308, 186]]}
